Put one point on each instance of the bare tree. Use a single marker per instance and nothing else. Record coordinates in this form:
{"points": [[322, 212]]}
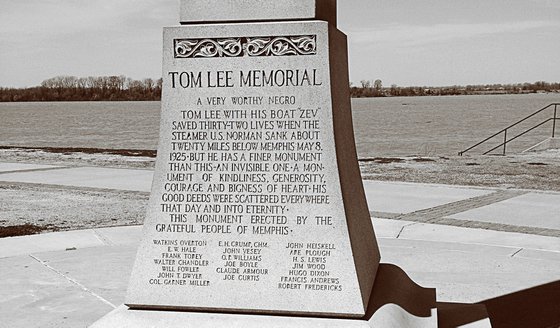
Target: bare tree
{"points": [[378, 85], [148, 84]]}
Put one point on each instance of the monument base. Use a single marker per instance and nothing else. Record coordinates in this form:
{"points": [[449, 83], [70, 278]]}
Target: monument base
{"points": [[396, 302], [123, 317], [388, 316]]}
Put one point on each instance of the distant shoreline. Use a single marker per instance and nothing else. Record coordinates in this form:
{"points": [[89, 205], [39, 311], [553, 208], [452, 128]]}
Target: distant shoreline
{"points": [[353, 96], [376, 89], [122, 89]]}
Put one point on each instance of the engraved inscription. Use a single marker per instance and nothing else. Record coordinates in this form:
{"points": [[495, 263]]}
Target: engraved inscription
{"points": [[238, 170]]}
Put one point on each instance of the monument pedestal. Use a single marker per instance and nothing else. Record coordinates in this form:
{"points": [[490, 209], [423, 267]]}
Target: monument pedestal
{"points": [[396, 302], [123, 317], [256, 186], [257, 204], [388, 316]]}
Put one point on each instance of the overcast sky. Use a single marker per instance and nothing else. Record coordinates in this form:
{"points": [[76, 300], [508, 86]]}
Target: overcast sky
{"points": [[403, 42]]}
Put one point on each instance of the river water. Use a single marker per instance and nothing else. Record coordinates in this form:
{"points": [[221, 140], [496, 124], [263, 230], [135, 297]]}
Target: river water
{"points": [[400, 126]]}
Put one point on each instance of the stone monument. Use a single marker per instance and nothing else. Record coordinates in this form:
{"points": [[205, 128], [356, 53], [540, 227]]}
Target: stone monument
{"points": [[257, 205], [257, 215]]}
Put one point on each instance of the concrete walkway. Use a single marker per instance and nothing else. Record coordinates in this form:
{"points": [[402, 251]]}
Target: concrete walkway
{"points": [[535, 212], [85, 177], [442, 236]]}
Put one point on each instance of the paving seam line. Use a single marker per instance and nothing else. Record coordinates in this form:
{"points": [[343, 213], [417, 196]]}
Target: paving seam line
{"points": [[474, 224], [516, 249], [71, 188], [464, 186], [404, 227], [463, 205], [427, 213], [441, 214], [73, 281], [106, 241], [384, 215], [37, 170]]}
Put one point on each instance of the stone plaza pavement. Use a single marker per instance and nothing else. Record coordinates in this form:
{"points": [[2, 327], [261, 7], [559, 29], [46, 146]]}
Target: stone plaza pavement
{"points": [[470, 243]]}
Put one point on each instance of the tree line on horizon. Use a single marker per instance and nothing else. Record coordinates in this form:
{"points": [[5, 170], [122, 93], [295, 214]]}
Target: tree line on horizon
{"points": [[93, 88], [376, 89], [122, 88]]}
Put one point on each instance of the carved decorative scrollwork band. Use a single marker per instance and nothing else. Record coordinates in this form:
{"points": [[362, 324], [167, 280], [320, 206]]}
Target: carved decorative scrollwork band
{"points": [[208, 48], [246, 47]]}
